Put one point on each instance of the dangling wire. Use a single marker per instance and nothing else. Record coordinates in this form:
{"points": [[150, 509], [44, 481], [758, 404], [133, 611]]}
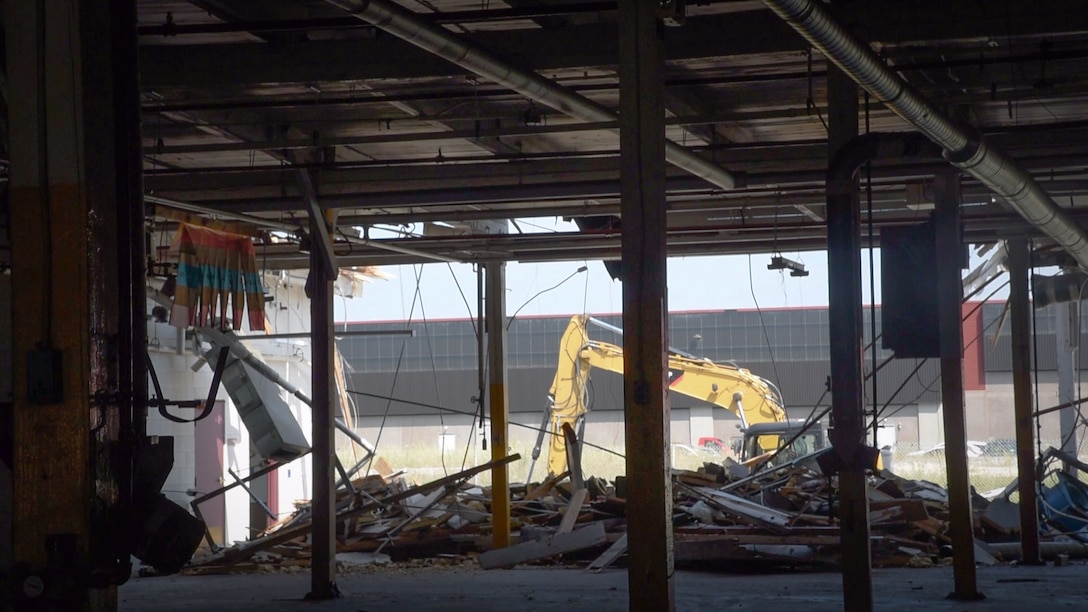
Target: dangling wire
{"points": [[810, 103], [1035, 361], [872, 277], [766, 336]]}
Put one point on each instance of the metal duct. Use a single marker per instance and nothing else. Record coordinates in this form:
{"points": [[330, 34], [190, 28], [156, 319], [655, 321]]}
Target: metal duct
{"points": [[964, 148], [407, 26]]}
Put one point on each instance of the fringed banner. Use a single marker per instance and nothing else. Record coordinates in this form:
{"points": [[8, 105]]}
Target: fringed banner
{"points": [[215, 267]]}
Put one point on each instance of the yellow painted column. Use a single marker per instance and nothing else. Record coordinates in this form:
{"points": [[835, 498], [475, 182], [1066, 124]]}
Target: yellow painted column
{"points": [[499, 402]]}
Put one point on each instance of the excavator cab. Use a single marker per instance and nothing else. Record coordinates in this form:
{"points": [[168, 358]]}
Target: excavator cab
{"points": [[763, 439]]}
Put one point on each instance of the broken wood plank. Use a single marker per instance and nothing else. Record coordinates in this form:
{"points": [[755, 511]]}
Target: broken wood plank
{"points": [[744, 509], [910, 509], [570, 515], [586, 537], [574, 457], [247, 550], [546, 486], [885, 515], [609, 556]]}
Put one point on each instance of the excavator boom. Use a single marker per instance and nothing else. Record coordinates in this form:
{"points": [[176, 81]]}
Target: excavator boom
{"points": [[751, 398]]}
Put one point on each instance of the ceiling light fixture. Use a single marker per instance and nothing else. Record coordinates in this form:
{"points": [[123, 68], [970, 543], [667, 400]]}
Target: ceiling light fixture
{"points": [[796, 268]]}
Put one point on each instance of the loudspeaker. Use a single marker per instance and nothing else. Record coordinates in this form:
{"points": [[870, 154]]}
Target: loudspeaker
{"points": [[908, 277]]}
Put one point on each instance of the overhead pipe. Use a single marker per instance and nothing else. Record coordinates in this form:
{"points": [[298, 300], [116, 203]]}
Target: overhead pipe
{"points": [[410, 27], [963, 146]]}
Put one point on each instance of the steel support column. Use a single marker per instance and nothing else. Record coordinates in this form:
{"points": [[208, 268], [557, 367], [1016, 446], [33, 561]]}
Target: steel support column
{"points": [[1020, 329], [946, 187], [323, 421], [645, 308], [499, 401], [844, 310]]}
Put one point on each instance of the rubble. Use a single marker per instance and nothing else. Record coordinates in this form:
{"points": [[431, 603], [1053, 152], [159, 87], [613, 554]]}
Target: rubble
{"points": [[784, 515]]}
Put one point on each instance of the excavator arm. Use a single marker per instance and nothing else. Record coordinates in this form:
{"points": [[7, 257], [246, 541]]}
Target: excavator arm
{"points": [[751, 398]]}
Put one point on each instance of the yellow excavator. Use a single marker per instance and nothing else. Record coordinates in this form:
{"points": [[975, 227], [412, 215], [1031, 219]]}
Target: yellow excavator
{"points": [[755, 400]]}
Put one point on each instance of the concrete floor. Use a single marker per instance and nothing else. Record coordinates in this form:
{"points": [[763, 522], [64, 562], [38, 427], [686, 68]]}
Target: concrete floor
{"points": [[464, 589]]}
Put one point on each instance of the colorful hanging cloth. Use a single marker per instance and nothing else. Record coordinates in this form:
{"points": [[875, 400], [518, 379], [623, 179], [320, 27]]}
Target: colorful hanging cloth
{"points": [[215, 267]]}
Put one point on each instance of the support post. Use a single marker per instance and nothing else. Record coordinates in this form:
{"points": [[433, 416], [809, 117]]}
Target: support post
{"points": [[69, 192], [1020, 329], [946, 187], [323, 421], [499, 402], [645, 307], [844, 309]]}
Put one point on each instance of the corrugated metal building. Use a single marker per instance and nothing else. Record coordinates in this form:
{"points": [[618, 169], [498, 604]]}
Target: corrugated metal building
{"points": [[424, 385]]}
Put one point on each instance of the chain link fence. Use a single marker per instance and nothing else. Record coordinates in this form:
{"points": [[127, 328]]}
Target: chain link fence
{"points": [[991, 464]]}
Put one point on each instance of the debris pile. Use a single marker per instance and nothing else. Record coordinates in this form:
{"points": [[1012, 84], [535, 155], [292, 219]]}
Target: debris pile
{"points": [[787, 515], [783, 515]]}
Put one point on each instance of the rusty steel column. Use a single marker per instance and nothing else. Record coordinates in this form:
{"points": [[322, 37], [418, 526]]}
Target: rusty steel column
{"points": [[645, 308], [950, 253], [1020, 329], [844, 311], [323, 418]]}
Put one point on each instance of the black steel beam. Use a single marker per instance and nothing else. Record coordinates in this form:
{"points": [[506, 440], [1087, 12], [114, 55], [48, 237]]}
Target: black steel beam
{"points": [[753, 32], [845, 319]]}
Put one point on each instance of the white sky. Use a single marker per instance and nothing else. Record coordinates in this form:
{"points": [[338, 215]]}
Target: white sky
{"points": [[695, 283]]}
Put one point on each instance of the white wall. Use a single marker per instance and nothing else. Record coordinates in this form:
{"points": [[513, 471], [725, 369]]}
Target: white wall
{"points": [[178, 383], [289, 312]]}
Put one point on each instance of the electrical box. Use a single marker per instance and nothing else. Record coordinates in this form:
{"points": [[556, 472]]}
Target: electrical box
{"points": [[273, 430]]}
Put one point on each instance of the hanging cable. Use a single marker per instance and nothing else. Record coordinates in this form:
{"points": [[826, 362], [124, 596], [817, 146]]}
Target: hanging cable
{"points": [[464, 299], [872, 277], [392, 399], [918, 366], [481, 357], [542, 292], [393, 383], [1035, 361], [479, 399], [762, 324], [585, 291], [418, 270]]}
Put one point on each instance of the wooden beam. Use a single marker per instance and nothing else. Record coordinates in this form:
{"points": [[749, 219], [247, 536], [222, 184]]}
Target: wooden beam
{"points": [[586, 537], [950, 251], [645, 308], [1020, 330]]}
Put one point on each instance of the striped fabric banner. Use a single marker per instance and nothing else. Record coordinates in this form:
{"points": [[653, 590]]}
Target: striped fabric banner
{"points": [[215, 268]]}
